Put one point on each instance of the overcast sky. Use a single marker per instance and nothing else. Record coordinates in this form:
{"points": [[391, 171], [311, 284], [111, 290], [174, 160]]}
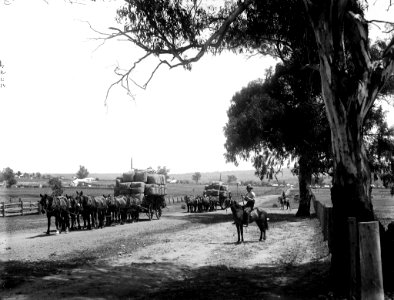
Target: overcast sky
{"points": [[52, 106]]}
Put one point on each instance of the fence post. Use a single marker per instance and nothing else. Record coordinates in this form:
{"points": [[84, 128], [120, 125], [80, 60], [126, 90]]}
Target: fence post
{"points": [[330, 227], [354, 258], [21, 202], [3, 210], [370, 261]]}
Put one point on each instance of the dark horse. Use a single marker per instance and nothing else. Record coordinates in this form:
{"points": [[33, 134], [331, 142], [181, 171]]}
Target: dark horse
{"points": [[257, 215], [89, 210], [56, 206], [75, 212]]}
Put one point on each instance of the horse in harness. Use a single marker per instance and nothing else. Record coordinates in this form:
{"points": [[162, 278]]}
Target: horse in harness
{"points": [[58, 207]]}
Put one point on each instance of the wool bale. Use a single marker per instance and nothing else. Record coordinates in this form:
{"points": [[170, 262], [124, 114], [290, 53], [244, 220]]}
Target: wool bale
{"points": [[223, 193], [141, 176], [136, 199], [118, 181], [152, 189], [129, 176], [215, 193], [155, 179], [137, 184], [137, 190], [215, 186], [163, 190], [125, 185], [224, 187]]}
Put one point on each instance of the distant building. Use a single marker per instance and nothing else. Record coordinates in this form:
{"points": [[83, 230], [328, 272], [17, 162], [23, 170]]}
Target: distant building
{"points": [[77, 181]]}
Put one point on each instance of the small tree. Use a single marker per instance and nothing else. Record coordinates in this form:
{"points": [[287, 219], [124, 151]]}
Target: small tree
{"points": [[56, 186], [82, 172], [231, 179], [9, 177], [196, 177]]}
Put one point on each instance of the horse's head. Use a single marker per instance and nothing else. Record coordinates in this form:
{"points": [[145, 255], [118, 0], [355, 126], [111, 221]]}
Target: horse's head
{"points": [[43, 203], [46, 203]]}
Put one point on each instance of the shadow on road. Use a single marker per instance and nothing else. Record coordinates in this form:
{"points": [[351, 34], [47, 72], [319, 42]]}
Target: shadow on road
{"points": [[70, 279], [219, 217]]}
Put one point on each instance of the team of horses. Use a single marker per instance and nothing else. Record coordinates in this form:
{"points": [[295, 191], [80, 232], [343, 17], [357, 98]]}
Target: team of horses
{"points": [[96, 211], [105, 210], [204, 203]]}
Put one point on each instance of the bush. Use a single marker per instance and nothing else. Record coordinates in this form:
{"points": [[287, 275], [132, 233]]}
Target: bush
{"points": [[56, 186]]}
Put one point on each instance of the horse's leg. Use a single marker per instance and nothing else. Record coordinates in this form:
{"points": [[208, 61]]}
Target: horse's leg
{"points": [[49, 222], [241, 227], [67, 221], [239, 233], [78, 221]]}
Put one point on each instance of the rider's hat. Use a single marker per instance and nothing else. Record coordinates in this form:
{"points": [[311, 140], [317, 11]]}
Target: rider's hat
{"points": [[249, 187]]}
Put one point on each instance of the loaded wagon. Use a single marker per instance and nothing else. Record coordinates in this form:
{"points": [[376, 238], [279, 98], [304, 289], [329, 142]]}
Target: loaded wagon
{"points": [[218, 193], [145, 190]]}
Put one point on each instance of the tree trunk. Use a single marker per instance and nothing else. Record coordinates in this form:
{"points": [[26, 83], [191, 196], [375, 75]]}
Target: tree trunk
{"points": [[304, 182], [350, 82]]}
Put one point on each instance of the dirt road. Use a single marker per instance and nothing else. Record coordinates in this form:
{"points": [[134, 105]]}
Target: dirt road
{"points": [[180, 256]]}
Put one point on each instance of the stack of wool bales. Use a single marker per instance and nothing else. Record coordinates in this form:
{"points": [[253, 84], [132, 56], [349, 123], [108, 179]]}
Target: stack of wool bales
{"points": [[156, 185], [138, 183], [216, 188]]}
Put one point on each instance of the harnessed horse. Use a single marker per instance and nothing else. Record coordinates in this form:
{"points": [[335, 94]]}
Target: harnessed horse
{"points": [[57, 206], [89, 210]]}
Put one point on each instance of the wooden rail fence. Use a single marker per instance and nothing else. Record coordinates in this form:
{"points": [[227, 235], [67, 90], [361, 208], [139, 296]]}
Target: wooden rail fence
{"points": [[19, 208], [366, 281]]}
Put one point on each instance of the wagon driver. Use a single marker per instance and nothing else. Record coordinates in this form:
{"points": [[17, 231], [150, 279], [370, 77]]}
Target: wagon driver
{"points": [[250, 200]]}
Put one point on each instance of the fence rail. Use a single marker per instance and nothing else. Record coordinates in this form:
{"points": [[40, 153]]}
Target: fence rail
{"points": [[19, 208], [324, 215]]}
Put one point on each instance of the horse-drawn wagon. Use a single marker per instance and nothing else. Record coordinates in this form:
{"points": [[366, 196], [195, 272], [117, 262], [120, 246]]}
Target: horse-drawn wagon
{"points": [[218, 193], [146, 192]]}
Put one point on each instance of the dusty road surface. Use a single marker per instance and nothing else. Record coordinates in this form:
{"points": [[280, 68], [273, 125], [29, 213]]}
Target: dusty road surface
{"points": [[180, 256]]}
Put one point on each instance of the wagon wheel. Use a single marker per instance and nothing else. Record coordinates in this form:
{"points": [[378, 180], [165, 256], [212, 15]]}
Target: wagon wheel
{"points": [[158, 213]]}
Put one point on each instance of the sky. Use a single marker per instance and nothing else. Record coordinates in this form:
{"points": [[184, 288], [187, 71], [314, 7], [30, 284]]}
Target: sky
{"points": [[57, 73]]}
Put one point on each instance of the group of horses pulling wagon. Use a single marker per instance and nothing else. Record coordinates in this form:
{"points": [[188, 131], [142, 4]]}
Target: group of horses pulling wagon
{"points": [[215, 195], [135, 192]]}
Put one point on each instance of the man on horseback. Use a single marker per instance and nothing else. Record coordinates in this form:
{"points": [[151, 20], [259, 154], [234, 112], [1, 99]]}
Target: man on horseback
{"points": [[250, 200]]}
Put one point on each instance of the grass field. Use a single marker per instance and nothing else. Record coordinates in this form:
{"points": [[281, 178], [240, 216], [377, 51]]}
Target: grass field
{"points": [[382, 201], [173, 190]]}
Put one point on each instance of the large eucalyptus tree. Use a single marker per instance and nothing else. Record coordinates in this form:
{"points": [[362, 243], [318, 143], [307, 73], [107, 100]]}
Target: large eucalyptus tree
{"points": [[179, 33]]}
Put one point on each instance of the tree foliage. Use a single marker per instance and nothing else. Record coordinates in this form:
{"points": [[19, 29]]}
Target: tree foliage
{"points": [[9, 177], [275, 121], [196, 177], [56, 186], [82, 172], [179, 33]]}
